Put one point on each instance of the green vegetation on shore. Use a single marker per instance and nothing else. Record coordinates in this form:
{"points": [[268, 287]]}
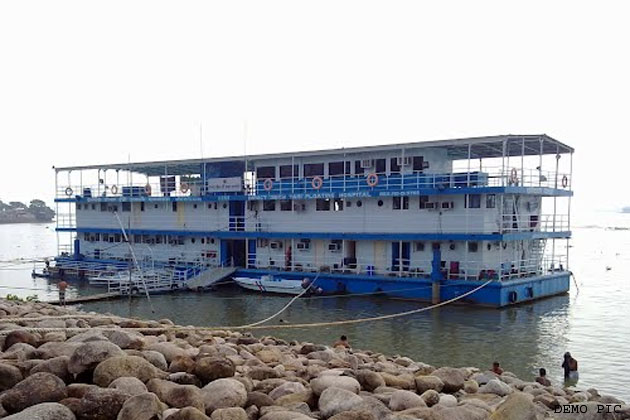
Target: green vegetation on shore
{"points": [[18, 212]]}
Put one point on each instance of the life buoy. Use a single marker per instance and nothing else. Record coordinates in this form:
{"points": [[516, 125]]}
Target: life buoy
{"points": [[372, 180], [268, 184], [69, 191], [184, 187], [317, 182], [565, 181], [147, 189], [514, 176], [114, 189]]}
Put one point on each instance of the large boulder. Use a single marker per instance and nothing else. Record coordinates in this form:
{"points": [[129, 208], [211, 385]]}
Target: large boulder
{"points": [[9, 376], [369, 380], [258, 399], [335, 400], [101, 404], [129, 385], [37, 388], [354, 415], [430, 397], [126, 339], [90, 354], [145, 406], [460, 412], [286, 389], [182, 364], [222, 393], [232, 413], [424, 383], [55, 349], [188, 413], [44, 411], [497, 387], [402, 400], [157, 359], [169, 350], [452, 378], [404, 381], [210, 368], [176, 395], [117, 367], [20, 336], [517, 406], [320, 384], [285, 415], [58, 366]]}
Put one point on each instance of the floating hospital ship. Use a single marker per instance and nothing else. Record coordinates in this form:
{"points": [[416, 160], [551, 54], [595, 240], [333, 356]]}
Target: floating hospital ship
{"points": [[425, 220]]}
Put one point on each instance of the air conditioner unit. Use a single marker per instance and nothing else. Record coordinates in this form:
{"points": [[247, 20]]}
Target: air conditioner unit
{"points": [[334, 246], [403, 161], [303, 245], [367, 163], [430, 205], [275, 245], [299, 207], [448, 205]]}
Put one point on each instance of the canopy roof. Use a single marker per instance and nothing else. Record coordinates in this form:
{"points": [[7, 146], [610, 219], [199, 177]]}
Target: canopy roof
{"points": [[480, 147]]}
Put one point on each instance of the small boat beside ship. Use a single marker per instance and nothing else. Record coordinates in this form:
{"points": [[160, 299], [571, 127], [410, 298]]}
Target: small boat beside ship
{"points": [[274, 284]]}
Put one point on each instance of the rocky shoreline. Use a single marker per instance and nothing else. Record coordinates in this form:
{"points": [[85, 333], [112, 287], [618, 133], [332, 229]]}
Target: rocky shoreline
{"points": [[63, 364]]}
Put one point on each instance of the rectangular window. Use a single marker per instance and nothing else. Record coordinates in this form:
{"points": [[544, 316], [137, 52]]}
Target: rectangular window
{"points": [[419, 246], [126, 206], [380, 166], [348, 166], [335, 168], [286, 172], [400, 203], [158, 239], [473, 246], [93, 206], [286, 205], [142, 206], [473, 201], [78, 206], [116, 237], [357, 168], [266, 172], [418, 163], [313, 169], [103, 206], [322, 204], [491, 201], [424, 199], [269, 205], [174, 205], [394, 167], [338, 206]]}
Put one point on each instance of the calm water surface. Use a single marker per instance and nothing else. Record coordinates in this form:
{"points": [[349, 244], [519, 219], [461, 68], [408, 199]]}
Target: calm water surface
{"points": [[591, 322]]}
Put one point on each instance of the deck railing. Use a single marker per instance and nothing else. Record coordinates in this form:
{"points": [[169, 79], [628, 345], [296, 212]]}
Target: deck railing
{"points": [[378, 182]]}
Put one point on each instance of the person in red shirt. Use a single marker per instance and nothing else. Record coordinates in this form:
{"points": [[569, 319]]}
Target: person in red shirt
{"points": [[496, 368], [62, 285]]}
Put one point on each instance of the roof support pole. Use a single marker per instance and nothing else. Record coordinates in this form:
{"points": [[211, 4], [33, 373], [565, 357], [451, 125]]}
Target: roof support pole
{"points": [[503, 163], [523, 161], [540, 161]]}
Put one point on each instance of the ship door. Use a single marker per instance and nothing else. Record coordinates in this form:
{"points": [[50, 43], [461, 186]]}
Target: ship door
{"points": [[237, 216], [401, 254], [233, 252]]}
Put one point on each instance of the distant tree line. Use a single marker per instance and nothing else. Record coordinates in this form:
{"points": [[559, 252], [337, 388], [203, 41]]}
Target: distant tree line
{"points": [[16, 211]]}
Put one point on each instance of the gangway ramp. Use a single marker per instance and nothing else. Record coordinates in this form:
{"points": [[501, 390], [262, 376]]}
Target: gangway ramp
{"points": [[208, 278]]}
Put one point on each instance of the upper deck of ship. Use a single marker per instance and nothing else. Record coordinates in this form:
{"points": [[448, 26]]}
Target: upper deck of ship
{"points": [[527, 164]]}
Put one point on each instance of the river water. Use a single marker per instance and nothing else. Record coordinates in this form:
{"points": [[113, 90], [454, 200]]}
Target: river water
{"points": [[589, 322]]}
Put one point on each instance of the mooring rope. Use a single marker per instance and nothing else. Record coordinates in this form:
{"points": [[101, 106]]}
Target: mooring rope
{"points": [[257, 327]]}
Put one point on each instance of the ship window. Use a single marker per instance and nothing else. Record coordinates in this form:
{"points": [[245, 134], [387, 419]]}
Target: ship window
{"points": [[158, 239], [489, 246], [137, 239], [174, 205], [359, 203], [103, 206], [419, 246], [335, 168], [216, 205], [286, 205], [180, 240], [155, 206], [348, 166], [269, 205], [380, 166], [473, 246], [394, 167], [357, 168], [266, 172], [313, 169], [93, 206], [78, 206], [400, 203], [142, 206], [348, 203], [117, 237], [192, 240], [491, 201], [418, 163], [338, 204], [194, 206], [322, 204], [209, 205], [203, 240], [225, 205], [285, 171], [126, 206], [473, 201], [380, 203]]}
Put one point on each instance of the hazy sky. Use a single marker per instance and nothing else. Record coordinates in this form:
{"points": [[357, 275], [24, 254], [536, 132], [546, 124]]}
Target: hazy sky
{"points": [[94, 82]]}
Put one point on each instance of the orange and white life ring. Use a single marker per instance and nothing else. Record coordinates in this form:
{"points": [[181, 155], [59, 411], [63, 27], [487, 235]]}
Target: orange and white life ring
{"points": [[372, 180], [514, 176], [565, 181], [114, 189], [268, 184], [184, 187], [317, 182], [147, 189]]}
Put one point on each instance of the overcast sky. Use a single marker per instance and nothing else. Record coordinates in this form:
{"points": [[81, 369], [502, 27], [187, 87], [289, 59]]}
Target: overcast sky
{"points": [[93, 82]]}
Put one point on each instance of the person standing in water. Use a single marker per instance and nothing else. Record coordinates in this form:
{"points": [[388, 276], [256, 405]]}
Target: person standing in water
{"points": [[570, 366], [62, 285]]}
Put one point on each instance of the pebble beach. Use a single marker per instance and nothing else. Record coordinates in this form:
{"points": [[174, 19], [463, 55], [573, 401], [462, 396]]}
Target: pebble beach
{"points": [[61, 363]]}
